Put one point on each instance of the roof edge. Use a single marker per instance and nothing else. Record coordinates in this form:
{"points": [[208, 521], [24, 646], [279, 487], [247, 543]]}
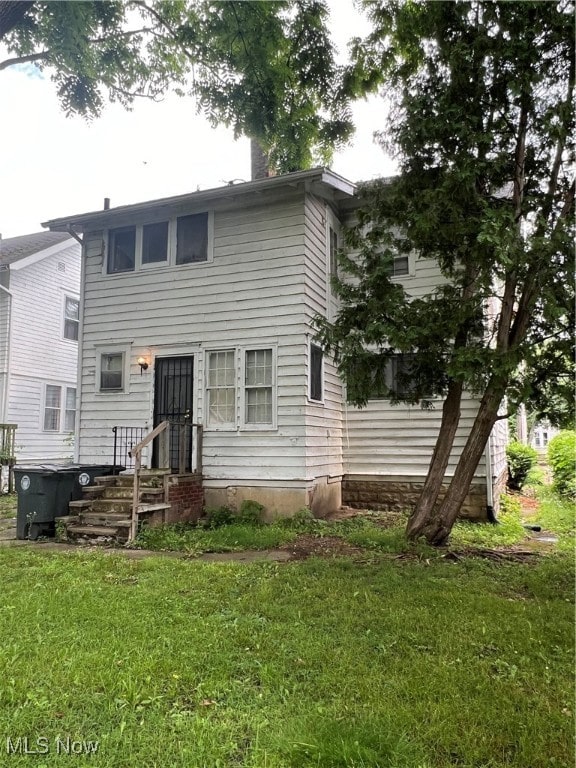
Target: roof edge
{"points": [[319, 175]]}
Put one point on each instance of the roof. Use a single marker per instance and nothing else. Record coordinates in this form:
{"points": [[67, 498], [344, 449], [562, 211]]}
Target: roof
{"points": [[319, 180], [14, 249]]}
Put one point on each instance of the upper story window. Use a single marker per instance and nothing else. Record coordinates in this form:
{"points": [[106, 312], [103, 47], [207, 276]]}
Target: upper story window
{"points": [[122, 249], [155, 243], [71, 318], [183, 240], [192, 238], [332, 252]]}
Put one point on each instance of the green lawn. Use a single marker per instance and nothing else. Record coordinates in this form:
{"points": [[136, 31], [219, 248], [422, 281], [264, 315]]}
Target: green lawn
{"points": [[324, 663]]}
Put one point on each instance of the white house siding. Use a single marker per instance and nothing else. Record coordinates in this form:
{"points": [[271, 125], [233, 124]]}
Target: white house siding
{"points": [[39, 353], [323, 420], [5, 313], [251, 294]]}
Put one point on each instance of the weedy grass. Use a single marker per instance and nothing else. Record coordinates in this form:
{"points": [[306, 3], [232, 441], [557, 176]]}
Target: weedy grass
{"points": [[8, 505], [389, 664], [558, 515], [234, 537]]}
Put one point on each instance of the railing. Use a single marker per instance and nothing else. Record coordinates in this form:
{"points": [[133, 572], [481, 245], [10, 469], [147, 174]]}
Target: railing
{"points": [[125, 438], [162, 431], [188, 440], [8, 452]]}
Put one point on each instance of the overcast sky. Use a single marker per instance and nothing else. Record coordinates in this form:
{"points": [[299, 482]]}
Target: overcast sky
{"points": [[58, 166]]}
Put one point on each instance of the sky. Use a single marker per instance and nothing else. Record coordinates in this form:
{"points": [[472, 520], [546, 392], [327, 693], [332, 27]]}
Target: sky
{"points": [[58, 165]]}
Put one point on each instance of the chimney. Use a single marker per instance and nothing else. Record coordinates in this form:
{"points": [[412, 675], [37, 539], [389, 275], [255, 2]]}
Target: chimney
{"points": [[106, 203], [259, 162]]}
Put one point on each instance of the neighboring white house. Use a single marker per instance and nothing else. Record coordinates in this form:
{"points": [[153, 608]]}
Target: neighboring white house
{"points": [[39, 323], [201, 307]]}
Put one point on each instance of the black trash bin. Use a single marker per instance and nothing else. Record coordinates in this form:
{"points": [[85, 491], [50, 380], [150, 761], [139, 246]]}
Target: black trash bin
{"points": [[44, 492]]}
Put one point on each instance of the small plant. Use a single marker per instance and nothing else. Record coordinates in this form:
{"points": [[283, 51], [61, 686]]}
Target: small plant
{"points": [[562, 459], [250, 512], [219, 516], [521, 458]]}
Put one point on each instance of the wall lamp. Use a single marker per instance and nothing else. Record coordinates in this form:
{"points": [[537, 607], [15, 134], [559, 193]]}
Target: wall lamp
{"points": [[143, 363]]}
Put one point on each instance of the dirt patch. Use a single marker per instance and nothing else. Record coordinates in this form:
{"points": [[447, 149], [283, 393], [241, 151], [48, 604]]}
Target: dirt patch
{"points": [[308, 545]]}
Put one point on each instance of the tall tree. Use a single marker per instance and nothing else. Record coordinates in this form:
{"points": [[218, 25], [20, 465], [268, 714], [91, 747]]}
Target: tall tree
{"points": [[265, 68], [481, 124]]}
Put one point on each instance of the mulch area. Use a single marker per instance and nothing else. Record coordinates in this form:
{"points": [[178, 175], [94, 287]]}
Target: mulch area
{"points": [[309, 545]]}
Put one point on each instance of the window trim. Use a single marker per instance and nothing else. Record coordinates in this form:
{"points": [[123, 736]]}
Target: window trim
{"points": [[171, 248], [246, 425], [72, 297], [221, 426], [411, 267], [318, 401], [58, 429], [113, 349], [240, 424]]}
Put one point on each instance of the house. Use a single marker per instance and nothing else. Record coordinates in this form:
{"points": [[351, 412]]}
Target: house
{"points": [[199, 309], [39, 324]]}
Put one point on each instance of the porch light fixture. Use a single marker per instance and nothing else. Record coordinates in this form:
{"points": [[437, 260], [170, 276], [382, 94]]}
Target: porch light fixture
{"points": [[142, 362]]}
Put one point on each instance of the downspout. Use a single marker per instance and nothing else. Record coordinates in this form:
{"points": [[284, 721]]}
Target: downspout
{"points": [[80, 348], [6, 371], [489, 487]]}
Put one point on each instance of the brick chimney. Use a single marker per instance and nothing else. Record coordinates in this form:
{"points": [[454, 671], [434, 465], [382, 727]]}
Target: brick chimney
{"points": [[259, 162]]}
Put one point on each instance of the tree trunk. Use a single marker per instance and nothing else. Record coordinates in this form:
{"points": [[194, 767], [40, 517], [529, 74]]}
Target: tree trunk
{"points": [[424, 511], [438, 529]]}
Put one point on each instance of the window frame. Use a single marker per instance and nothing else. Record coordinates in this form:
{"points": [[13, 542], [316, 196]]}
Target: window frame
{"points": [[221, 426], [76, 320], [404, 275], [240, 423], [249, 425], [315, 347], [46, 407], [171, 245], [113, 349], [66, 410]]}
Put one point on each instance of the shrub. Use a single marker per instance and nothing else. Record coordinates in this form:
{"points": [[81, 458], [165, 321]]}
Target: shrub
{"points": [[250, 512], [520, 460], [562, 459], [219, 516]]}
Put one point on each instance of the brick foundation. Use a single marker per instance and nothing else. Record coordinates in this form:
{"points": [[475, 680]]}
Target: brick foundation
{"points": [[186, 497], [383, 494]]}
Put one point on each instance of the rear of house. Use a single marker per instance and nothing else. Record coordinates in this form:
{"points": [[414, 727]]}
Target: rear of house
{"points": [[199, 309], [39, 324]]}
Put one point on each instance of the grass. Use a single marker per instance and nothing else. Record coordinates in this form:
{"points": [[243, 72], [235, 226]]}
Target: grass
{"points": [[8, 502], [318, 663]]}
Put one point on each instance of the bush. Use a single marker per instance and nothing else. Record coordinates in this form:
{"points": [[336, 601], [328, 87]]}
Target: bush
{"points": [[521, 458], [562, 459], [251, 512]]}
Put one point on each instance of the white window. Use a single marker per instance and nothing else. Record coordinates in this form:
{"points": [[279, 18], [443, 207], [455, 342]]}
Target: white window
{"points": [[258, 383], [241, 389], [221, 388], [112, 372], [316, 373], [400, 266], [396, 375], [70, 411], [52, 406], [178, 241], [71, 318]]}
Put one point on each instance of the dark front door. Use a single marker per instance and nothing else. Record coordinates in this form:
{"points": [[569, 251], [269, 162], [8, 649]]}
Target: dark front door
{"points": [[173, 402]]}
